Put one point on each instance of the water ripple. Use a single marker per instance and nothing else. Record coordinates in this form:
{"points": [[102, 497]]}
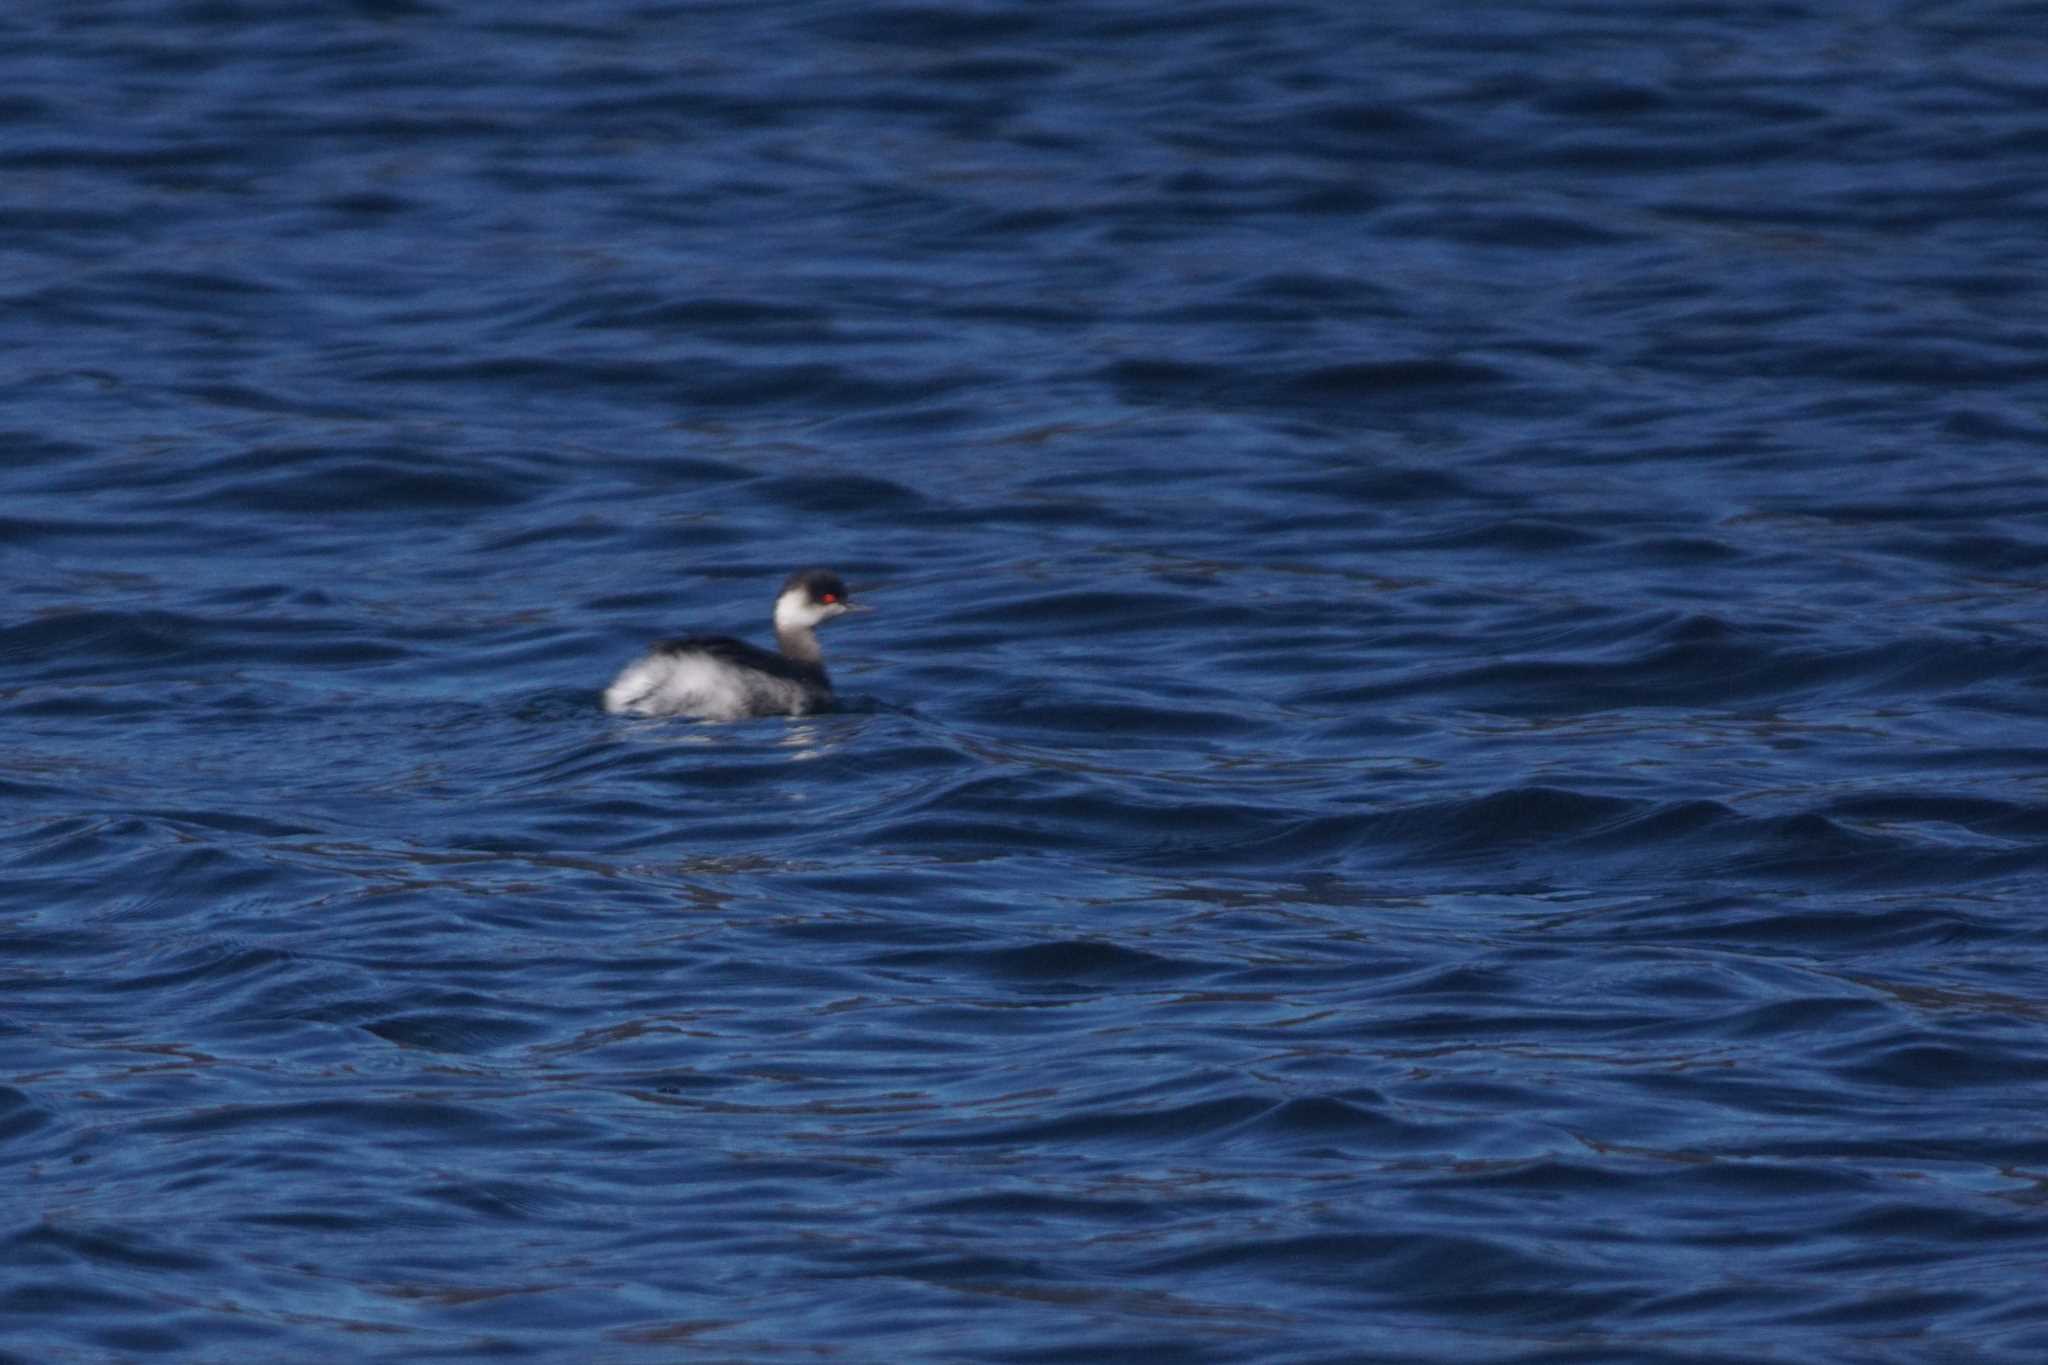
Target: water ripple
{"points": [[1445, 768]]}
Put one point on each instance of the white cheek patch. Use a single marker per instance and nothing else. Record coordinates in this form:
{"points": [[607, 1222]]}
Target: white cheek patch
{"points": [[793, 611]]}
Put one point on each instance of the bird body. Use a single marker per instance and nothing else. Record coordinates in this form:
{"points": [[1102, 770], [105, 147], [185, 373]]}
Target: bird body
{"points": [[715, 677]]}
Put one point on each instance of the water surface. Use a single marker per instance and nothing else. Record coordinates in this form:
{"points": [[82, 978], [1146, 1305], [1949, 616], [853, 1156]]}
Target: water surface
{"points": [[1449, 768]]}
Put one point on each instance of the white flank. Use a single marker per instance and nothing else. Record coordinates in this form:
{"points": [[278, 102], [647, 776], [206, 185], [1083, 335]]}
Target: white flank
{"points": [[678, 685]]}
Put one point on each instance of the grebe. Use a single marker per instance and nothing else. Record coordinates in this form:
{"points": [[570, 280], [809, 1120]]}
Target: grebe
{"points": [[715, 677]]}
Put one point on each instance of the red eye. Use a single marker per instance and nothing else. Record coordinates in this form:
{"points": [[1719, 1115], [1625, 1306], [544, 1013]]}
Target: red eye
{"points": [[828, 597]]}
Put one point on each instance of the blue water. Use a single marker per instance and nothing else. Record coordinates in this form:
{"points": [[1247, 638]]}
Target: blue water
{"points": [[1449, 768]]}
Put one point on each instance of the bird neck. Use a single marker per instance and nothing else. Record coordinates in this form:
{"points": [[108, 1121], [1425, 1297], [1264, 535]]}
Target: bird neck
{"points": [[799, 643]]}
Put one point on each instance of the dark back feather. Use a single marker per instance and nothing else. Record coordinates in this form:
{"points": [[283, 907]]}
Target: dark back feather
{"points": [[743, 655]]}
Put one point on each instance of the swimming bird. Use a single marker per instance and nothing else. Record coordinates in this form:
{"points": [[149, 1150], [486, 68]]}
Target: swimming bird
{"points": [[715, 677]]}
